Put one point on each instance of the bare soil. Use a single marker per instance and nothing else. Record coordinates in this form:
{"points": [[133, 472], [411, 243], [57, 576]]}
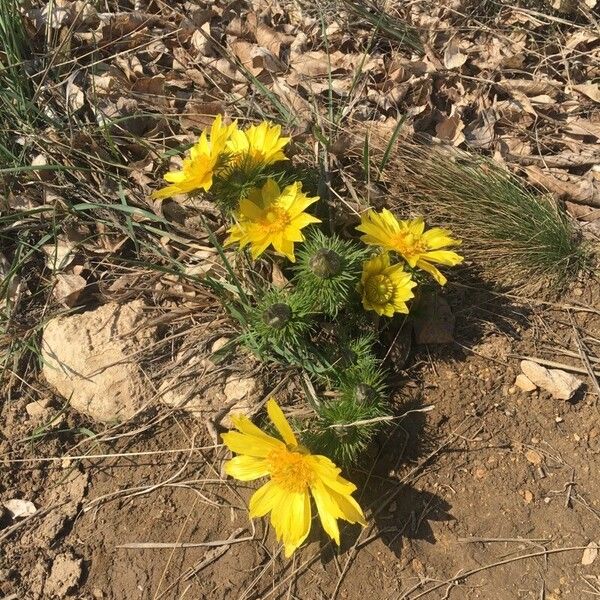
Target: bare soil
{"points": [[491, 494]]}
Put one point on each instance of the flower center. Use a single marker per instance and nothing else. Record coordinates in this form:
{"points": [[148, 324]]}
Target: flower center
{"points": [[379, 289], [290, 470], [275, 219], [408, 244]]}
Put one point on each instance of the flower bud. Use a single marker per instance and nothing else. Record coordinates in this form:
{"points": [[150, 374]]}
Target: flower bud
{"points": [[364, 394], [277, 315], [326, 263]]}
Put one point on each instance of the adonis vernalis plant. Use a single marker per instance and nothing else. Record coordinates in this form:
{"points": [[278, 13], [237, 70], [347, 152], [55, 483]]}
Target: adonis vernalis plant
{"points": [[273, 217], [418, 247], [336, 293], [295, 475]]}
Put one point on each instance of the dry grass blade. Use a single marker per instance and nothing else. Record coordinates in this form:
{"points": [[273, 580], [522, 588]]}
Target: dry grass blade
{"points": [[519, 239]]}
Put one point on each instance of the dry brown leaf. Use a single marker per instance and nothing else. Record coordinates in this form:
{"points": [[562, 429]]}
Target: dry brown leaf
{"points": [[201, 41], [299, 106], [453, 57], [570, 187], [584, 127], [450, 130], [530, 87], [74, 95], [59, 255], [262, 58], [591, 90], [272, 40], [581, 36], [243, 52], [198, 114], [311, 64], [480, 133], [68, 288]]}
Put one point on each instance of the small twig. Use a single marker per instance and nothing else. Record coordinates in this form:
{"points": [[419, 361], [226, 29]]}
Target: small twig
{"points": [[425, 409], [506, 561], [210, 557], [473, 540], [181, 545]]}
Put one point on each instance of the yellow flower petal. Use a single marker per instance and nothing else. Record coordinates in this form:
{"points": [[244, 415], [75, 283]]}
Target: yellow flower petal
{"points": [[327, 509], [348, 507], [281, 424], [265, 499], [444, 257], [246, 468], [295, 518], [433, 271], [248, 444]]}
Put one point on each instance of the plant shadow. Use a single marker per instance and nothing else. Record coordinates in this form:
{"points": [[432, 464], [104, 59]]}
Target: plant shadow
{"points": [[398, 509]]}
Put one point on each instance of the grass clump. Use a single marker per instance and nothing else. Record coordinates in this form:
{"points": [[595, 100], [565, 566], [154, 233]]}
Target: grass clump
{"points": [[519, 238]]}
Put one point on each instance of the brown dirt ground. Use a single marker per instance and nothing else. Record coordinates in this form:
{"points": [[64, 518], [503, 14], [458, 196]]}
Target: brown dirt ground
{"points": [[489, 475]]}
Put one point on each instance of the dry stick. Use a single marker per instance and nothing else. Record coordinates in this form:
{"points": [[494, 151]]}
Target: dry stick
{"points": [[500, 563], [584, 357], [183, 545], [570, 353], [168, 564], [474, 540], [553, 364], [209, 557], [116, 455]]}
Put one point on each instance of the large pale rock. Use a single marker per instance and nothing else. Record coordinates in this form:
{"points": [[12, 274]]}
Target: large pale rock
{"points": [[560, 384], [91, 359]]}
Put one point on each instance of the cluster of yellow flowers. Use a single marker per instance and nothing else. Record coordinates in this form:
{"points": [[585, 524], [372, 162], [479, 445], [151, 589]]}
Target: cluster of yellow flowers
{"points": [[268, 215], [272, 217], [385, 287]]}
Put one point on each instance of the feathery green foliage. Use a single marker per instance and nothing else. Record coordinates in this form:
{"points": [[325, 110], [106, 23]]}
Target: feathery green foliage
{"points": [[346, 424], [328, 270]]}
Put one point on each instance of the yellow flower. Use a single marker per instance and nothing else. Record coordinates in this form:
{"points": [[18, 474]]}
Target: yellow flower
{"points": [[295, 475], [418, 247], [199, 167], [385, 288], [258, 145], [272, 217]]}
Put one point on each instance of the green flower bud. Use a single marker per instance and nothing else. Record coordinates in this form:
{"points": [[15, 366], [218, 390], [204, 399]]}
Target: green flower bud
{"points": [[326, 263], [277, 315], [364, 393]]}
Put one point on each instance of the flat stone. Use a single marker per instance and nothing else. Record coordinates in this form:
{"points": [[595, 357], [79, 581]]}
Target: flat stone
{"points": [[524, 383], [560, 384]]}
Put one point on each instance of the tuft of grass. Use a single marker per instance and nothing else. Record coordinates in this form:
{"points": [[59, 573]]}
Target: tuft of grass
{"points": [[17, 111], [389, 26], [520, 239]]}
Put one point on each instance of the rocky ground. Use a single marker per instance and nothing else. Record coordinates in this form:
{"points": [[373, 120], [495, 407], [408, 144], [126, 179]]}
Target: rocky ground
{"points": [[487, 483], [482, 490]]}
